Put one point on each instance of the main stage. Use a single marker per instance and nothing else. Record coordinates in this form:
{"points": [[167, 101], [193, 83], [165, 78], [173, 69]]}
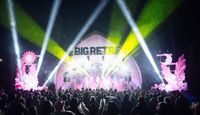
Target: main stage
{"points": [[94, 66]]}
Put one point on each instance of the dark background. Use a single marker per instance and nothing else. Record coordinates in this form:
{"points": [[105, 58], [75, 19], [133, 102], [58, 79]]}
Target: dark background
{"points": [[179, 34]]}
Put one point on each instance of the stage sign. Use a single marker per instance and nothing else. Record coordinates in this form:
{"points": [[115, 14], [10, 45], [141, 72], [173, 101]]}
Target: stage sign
{"points": [[94, 50]]}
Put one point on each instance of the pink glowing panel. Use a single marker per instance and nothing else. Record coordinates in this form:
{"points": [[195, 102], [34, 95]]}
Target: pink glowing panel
{"points": [[168, 58], [29, 57], [27, 80], [90, 64], [175, 80]]}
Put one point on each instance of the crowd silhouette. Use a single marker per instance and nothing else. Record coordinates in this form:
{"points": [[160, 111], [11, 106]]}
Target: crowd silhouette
{"points": [[96, 102]]}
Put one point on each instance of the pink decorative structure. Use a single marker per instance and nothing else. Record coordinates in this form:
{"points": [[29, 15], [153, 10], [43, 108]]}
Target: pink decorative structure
{"points": [[175, 78], [27, 80]]}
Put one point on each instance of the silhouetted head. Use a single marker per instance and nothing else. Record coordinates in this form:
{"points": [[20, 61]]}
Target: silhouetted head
{"points": [[74, 103], [47, 107], [126, 97], [92, 99]]}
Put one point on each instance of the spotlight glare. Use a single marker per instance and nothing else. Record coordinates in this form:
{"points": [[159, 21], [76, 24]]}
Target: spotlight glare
{"points": [[14, 32], [117, 62], [135, 29], [83, 30], [52, 18]]}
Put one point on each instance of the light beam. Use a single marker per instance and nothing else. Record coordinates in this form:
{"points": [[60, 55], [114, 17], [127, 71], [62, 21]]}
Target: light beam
{"points": [[28, 28], [118, 24], [153, 14], [52, 18], [139, 37], [14, 32], [83, 30]]}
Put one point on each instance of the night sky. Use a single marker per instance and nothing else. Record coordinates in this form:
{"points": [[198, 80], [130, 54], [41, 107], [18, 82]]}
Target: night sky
{"points": [[178, 34]]}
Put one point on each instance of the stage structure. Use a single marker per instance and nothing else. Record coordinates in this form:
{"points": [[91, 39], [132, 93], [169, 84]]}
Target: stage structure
{"points": [[27, 79], [92, 58], [173, 73]]}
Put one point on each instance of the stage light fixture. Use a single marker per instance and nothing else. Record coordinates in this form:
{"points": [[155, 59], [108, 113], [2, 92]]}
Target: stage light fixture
{"points": [[139, 37], [80, 34], [14, 32], [52, 18]]}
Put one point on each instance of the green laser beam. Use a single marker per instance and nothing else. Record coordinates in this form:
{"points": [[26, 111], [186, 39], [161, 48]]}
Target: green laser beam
{"points": [[118, 23], [29, 29], [154, 13]]}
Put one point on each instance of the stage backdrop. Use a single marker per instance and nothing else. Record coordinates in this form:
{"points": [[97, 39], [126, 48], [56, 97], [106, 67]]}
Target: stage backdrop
{"points": [[93, 58]]}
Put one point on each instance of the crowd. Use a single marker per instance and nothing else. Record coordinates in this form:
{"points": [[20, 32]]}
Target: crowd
{"points": [[96, 102]]}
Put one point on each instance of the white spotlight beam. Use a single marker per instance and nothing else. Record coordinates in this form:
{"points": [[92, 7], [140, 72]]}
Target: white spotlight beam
{"points": [[135, 29], [83, 30], [14, 32], [52, 18]]}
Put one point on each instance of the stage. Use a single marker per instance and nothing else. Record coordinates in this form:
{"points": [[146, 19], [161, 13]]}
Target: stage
{"points": [[95, 65]]}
